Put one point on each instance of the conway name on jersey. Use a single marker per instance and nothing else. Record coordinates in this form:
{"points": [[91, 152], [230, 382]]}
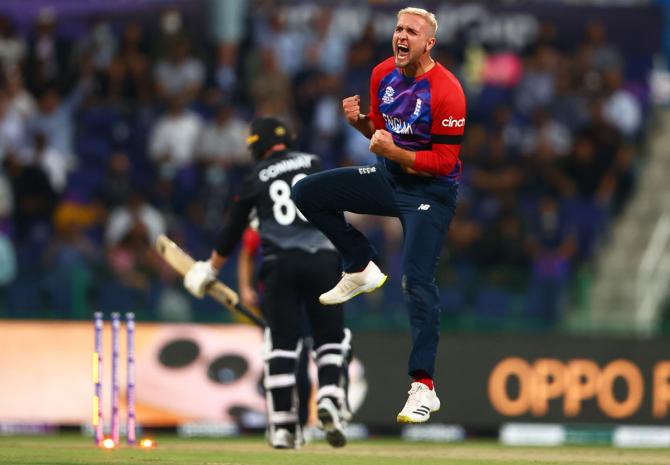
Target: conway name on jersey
{"points": [[268, 190]]}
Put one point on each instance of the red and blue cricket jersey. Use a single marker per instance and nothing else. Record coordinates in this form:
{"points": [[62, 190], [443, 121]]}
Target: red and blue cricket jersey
{"points": [[425, 115]]}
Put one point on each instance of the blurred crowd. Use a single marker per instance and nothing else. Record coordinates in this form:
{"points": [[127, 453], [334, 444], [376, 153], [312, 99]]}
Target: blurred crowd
{"points": [[135, 125]]}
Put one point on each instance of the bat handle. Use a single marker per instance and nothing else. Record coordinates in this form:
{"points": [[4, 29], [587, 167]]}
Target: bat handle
{"points": [[259, 321]]}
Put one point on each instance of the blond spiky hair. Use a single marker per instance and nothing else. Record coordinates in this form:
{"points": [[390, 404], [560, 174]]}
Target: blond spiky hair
{"points": [[425, 14]]}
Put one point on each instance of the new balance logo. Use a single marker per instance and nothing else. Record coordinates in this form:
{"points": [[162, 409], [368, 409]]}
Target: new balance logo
{"points": [[423, 206]]}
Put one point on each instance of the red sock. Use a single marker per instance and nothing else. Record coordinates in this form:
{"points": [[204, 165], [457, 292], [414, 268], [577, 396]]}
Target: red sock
{"points": [[425, 380]]}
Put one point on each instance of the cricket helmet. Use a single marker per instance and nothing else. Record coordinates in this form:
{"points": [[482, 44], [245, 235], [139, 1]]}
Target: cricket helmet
{"points": [[264, 133]]}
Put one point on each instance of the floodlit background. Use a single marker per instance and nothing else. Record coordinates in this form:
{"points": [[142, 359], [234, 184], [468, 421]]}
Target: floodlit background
{"points": [[121, 120]]}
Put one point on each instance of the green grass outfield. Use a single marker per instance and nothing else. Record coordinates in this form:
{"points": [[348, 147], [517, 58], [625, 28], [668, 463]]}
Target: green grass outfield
{"points": [[73, 449]]}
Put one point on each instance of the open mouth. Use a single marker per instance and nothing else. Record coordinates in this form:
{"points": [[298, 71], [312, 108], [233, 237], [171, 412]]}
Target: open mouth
{"points": [[402, 51]]}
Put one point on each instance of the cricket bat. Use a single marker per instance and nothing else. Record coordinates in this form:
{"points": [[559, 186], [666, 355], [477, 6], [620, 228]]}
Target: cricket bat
{"points": [[181, 262]]}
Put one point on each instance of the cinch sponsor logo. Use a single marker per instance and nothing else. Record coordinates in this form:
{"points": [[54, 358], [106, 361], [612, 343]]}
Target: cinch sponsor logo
{"points": [[578, 381], [292, 164], [367, 170], [453, 123], [397, 125]]}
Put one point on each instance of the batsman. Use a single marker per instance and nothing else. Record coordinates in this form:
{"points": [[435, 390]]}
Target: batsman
{"points": [[299, 264]]}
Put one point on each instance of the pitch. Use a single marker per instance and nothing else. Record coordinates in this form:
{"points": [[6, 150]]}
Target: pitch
{"points": [[75, 449]]}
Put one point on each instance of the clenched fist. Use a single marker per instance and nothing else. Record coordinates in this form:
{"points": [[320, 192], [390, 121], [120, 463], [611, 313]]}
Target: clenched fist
{"points": [[352, 109], [381, 143]]}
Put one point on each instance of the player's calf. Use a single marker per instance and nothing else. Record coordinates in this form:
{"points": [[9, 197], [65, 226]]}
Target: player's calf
{"points": [[331, 358], [279, 381]]}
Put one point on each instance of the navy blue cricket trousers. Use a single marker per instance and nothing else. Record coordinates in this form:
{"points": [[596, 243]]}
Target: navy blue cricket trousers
{"points": [[425, 207]]}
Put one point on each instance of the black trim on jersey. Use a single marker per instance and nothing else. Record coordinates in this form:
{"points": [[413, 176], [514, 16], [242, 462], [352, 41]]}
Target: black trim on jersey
{"points": [[446, 139]]}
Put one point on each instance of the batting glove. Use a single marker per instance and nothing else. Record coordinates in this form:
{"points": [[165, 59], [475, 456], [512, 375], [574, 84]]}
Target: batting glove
{"points": [[201, 275]]}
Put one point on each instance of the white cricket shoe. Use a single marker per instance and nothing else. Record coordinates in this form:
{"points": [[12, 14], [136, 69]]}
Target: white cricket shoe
{"points": [[352, 284], [421, 402], [283, 439], [330, 422]]}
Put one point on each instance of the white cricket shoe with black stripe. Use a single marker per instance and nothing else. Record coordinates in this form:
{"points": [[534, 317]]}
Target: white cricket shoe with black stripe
{"points": [[421, 403]]}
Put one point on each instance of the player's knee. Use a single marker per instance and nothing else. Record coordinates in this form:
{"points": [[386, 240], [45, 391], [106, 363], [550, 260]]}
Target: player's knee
{"points": [[297, 192], [301, 192], [417, 288]]}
